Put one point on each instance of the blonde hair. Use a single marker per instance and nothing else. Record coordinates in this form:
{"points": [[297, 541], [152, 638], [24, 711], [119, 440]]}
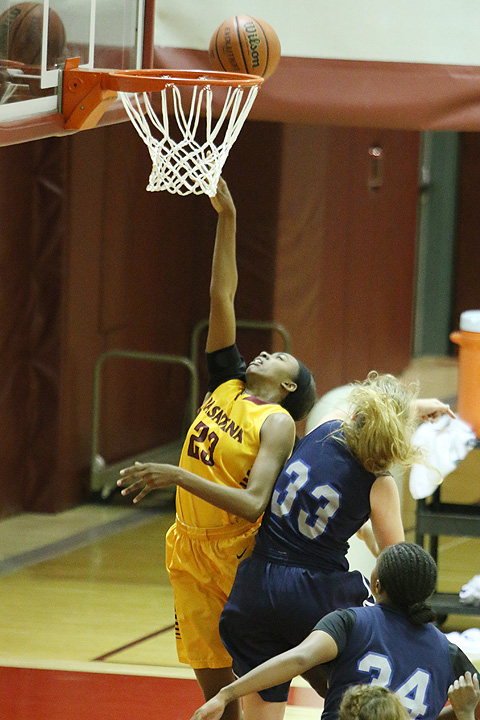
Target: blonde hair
{"points": [[371, 702], [381, 423]]}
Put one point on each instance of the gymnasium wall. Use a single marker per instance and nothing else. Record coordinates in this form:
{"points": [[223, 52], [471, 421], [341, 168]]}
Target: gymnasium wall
{"points": [[93, 262], [326, 235], [400, 31], [403, 65], [467, 258], [90, 262]]}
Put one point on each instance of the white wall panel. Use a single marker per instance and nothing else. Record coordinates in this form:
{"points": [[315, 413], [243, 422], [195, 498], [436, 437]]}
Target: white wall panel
{"points": [[426, 31]]}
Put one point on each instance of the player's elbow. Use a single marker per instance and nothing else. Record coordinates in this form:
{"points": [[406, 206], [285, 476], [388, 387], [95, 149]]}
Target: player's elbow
{"points": [[302, 661], [254, 506], [361, 533], [252, 514], [220, 295]]}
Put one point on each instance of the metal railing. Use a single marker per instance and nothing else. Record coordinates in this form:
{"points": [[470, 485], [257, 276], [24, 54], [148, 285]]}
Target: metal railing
{"points": [[103, 477]]}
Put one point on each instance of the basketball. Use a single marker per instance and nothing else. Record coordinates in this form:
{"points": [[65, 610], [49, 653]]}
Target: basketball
{"points": [[21, 34], [245, 44]]}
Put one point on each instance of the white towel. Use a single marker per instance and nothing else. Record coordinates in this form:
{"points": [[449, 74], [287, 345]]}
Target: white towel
{"points": [[468, 641], [445, 443]]}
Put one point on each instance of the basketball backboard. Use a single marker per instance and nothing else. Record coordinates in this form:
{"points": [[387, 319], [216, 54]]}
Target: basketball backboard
{"points": [[36, 38]]}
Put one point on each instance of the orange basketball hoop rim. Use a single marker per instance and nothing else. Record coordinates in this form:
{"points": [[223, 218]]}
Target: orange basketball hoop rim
{"points": [[86, 93], [188, 133]]}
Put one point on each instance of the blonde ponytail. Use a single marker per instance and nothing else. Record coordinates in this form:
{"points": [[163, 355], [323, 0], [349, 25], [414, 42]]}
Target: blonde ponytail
{"points": [[381, 423]]}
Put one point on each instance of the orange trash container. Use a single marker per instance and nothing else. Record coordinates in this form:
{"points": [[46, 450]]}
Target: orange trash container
{"points": [[468, 340]]}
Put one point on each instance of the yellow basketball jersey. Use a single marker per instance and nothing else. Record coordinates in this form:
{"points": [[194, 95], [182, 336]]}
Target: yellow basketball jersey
{"points": [[221, 446]]}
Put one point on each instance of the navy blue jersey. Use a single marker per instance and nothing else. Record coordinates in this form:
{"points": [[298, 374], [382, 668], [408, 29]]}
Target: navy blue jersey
{"points": [[319, 501], [273, 606], [379, 646]]}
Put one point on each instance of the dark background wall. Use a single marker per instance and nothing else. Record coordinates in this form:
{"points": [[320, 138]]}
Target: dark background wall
{"points": [[89, 261]]}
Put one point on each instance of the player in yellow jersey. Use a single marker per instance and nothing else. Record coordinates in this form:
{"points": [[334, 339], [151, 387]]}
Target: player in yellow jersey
{"points": [[240, 440]]}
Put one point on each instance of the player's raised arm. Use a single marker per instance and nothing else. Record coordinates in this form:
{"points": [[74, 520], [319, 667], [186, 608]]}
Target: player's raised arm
{"points": [[224, 277]]}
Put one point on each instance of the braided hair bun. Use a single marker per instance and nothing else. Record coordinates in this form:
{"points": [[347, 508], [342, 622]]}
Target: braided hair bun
{"points": [[408, 574]]}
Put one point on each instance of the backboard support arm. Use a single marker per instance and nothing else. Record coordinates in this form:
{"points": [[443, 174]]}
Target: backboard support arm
{"points": [[84, 100]]}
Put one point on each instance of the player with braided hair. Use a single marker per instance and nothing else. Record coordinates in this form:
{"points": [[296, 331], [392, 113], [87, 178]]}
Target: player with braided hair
{"points": [[392, 644], [409, 575]]}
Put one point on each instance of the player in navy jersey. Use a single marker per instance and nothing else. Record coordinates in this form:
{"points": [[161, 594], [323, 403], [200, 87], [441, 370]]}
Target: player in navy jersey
{"points": [[336, 479], [392, 644]]}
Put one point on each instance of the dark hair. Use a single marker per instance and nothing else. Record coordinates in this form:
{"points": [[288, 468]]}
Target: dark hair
{"points": [[299, 402], [408, 574]]}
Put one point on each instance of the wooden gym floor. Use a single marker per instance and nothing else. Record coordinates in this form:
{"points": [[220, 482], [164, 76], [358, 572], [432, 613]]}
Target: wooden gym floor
{"points": [[87, 618]]}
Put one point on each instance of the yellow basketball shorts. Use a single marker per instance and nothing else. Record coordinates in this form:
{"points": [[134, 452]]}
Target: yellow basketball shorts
{"points": [[202, 563]]}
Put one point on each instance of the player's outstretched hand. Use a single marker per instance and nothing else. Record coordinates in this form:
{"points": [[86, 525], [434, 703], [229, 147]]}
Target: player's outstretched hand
{"points": [[211, 710], [431, 409], [223, 200], [464, 695], [145, 477]]}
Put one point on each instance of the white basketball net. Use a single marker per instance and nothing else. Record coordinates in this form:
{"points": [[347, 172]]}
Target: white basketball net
{"points": [[188, 165]]}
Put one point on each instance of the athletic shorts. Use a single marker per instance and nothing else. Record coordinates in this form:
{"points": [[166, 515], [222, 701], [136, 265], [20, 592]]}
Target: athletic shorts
{"points": [[202, 564], [273, 607]]}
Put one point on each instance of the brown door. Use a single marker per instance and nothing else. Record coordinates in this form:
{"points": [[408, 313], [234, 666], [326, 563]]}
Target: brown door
{"points": [[352, 247]]}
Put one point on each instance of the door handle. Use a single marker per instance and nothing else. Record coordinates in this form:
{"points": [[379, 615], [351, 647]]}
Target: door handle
{"points": [[375, 174]]}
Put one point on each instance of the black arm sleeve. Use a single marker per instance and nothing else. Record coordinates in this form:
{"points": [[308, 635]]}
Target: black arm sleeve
{"points": [[224, 364], [338, 624], [460, 661]]}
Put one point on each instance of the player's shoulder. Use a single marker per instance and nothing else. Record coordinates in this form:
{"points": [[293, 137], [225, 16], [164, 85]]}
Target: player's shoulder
{"points": [[232, 387], [327, 428], [278, 423], [275, 422], [336, 418]]}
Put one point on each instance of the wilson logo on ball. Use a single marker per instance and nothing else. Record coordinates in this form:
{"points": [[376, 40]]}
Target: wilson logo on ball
{"points": [[245, 44]]}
